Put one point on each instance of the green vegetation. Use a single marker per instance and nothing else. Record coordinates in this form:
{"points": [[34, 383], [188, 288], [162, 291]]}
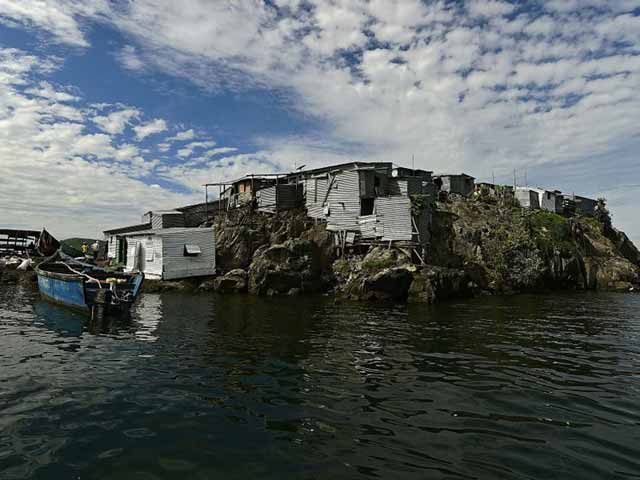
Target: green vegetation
{"points": [[377, 264], [342, 267], [419, 204], [550, 231], [73, 246]]}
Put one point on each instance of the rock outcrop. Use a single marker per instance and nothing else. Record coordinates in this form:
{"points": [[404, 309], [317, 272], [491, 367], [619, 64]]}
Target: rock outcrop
{"points": [[477, 246], [431, 284], [288, 268], [241, 232], [382, 274], [508, 249], [235, 281]]}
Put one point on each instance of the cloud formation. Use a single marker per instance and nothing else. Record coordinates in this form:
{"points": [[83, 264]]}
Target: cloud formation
{"points": [[59, 173], [484, 86], [156, 125]]}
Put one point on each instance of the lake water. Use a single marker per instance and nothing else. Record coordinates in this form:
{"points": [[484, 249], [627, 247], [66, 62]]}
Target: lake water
{"points": [[206, 387]]}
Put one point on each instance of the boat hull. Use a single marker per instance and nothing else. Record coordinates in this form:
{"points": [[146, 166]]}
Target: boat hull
{"points": [[66, 292], [75, 292]]}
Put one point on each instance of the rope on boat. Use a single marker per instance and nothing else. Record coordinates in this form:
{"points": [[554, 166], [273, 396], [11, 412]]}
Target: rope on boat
{"points": [[64, 256], [91, 279]]}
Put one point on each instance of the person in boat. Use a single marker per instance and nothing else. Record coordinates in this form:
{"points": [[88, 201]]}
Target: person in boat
{"points": [[95, 249], [86, 252]]}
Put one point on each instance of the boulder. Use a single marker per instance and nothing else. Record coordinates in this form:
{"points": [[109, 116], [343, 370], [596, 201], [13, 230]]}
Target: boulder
{"points": [[234, 281], [278, 269], [432, 284], [389, 284], [158, 286], [384, 274]]}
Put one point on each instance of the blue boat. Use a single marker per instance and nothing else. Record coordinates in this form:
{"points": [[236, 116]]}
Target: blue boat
{"points": [[88, 289]]}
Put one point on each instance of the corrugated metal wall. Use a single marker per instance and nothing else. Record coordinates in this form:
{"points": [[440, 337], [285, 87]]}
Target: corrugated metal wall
{"points": [[315, 192], [527, 198], [392, 219], [176, 265], [112, 250], [150, 259], [405, 186], [394, 213], [289, 196], [267, 198], [166, 220], [278, 197], [162, 255], [344, 202], [368, 226]]}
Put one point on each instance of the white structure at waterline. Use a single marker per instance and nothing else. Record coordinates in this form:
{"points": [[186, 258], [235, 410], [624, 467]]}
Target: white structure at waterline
{"points": [[172, 253]]}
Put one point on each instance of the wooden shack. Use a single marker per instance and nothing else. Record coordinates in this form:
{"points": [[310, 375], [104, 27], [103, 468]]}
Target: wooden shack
{"points": [[369, 202], [17, 242], [459, 183], [116, 239], [164, 219], [527, 197], [172, 253], [549, 200]]}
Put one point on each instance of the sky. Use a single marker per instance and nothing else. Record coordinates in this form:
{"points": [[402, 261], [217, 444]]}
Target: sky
{"points": [[109, 109]]}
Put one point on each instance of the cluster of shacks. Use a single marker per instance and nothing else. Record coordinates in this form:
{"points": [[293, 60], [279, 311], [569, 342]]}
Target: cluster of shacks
{"points": [[555, 201], [361, 203]]}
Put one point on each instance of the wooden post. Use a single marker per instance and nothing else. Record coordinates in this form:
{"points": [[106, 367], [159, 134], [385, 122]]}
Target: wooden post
{"points": [[206, 203]]}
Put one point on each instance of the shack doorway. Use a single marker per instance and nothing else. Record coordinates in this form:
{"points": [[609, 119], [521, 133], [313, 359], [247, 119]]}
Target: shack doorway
{"points": [[122, 251], [366, 206]]}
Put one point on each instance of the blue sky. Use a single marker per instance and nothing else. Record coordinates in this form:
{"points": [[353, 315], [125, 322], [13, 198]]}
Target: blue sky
{"points": [[112, 108]]}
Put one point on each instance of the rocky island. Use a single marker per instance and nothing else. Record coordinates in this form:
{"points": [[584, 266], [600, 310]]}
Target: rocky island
{"points": [[368, 231], [478, 246]]}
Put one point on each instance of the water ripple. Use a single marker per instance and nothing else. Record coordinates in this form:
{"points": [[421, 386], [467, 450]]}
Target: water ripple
{"points": [[237, 387]]}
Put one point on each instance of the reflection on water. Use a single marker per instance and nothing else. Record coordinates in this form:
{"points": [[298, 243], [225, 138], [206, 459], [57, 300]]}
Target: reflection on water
{"points": [[149, 313], [239, 387]]}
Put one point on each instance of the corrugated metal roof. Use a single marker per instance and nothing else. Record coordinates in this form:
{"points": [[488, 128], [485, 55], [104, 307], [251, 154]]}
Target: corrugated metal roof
{"points": [[169, 231], [453, 175], [130, 228]]}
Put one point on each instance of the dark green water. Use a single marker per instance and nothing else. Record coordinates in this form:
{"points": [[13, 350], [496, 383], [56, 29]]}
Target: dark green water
{"points": [[200, 387]]}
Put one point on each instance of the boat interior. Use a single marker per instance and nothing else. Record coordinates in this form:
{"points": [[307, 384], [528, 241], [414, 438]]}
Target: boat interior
{"points": [[62, 268]]}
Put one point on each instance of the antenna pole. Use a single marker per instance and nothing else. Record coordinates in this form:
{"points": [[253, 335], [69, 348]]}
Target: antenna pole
{"points": [[515, 181], [413, 162], [206, 203]]}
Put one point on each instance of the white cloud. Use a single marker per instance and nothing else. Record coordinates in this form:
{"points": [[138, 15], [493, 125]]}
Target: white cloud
{"points": [[58, 174], [488, 85], [129, 58], [59, 17], [219, 151], [488, 8], [188, 149], [115, 122], [46, 90], [183, 136], [153, 127]]}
